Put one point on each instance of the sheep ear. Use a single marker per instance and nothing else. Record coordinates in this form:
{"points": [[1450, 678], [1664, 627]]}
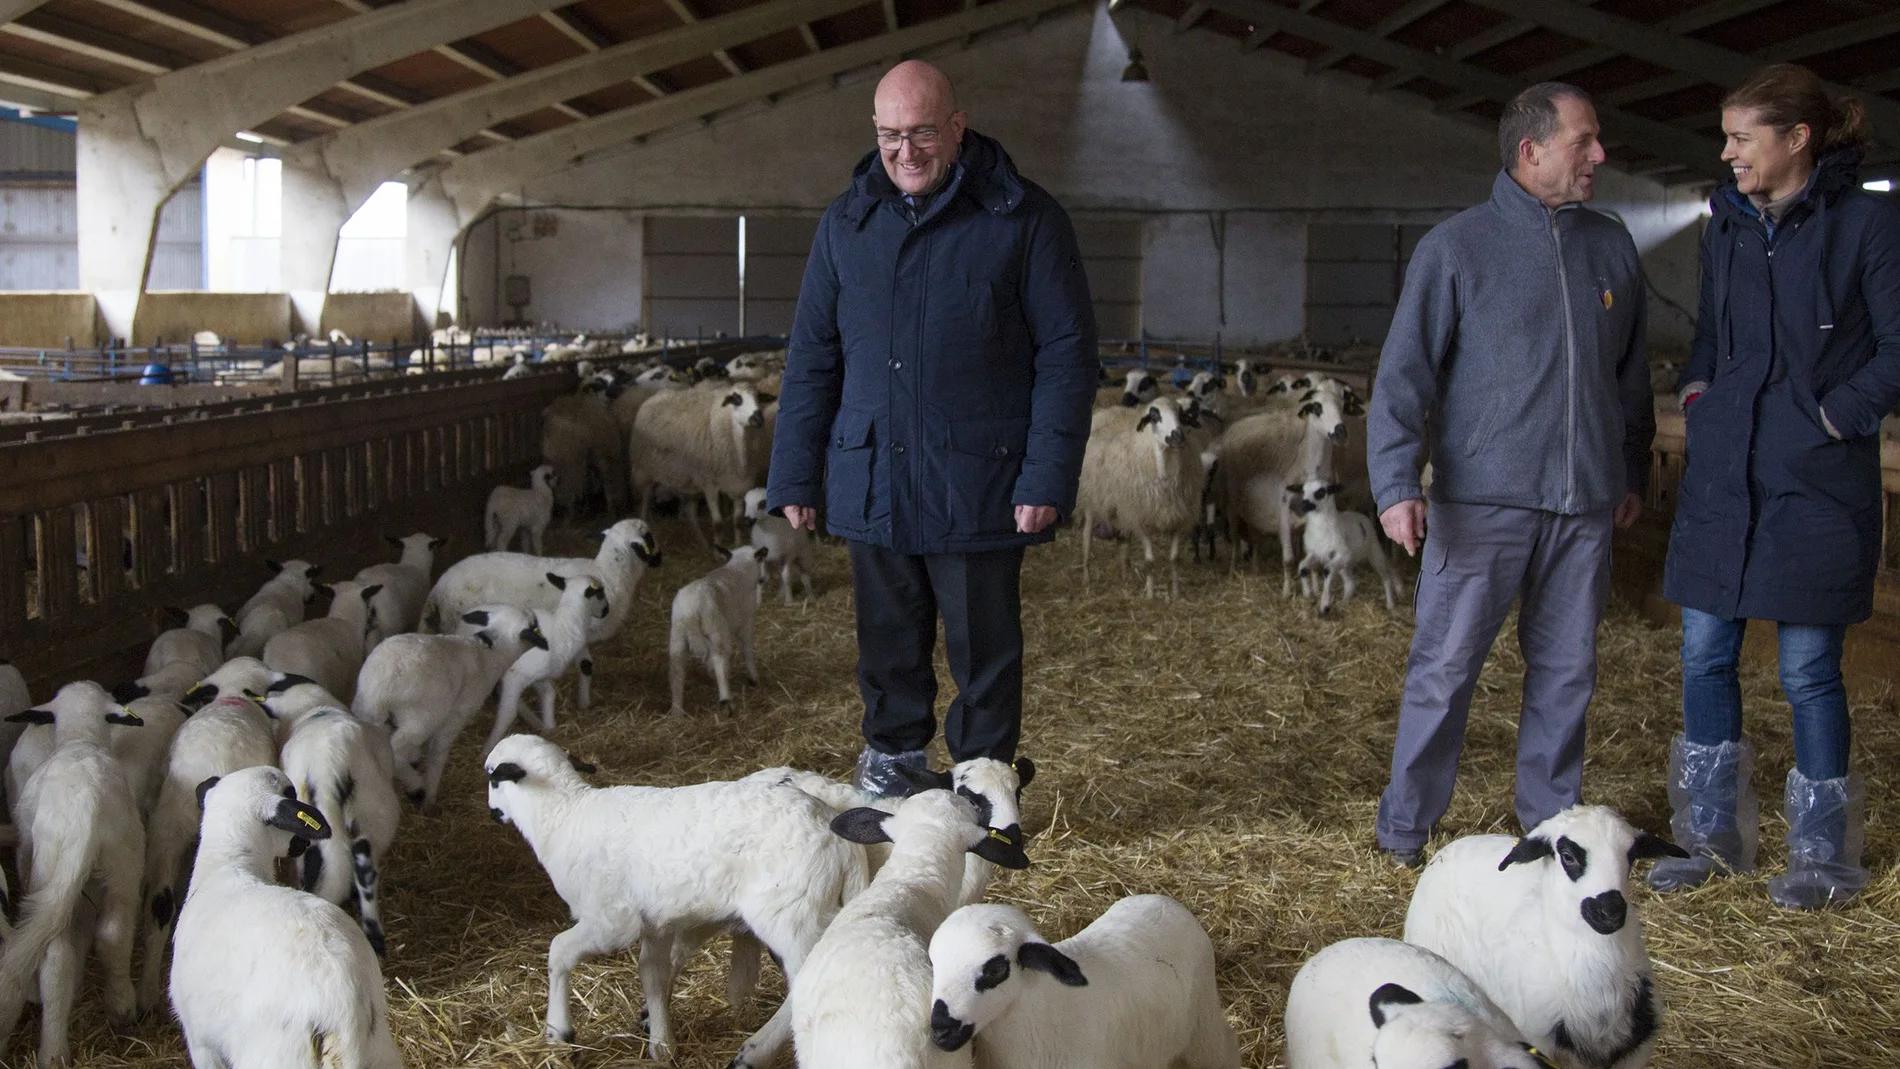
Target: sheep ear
{"points": [[1150, 416], [1295, 489], [1335, 489], [1025, 771], [177, 615], [1044, 958], [205, 787], [31, 716], [300, 819], [559, 581], [733, 399], [478, 617], [273, 566], [127, 693], [1649, 846], [767, 398], [533, 637], [486, 638], [392, 540], [1310, 409], [760, 553], [289, 680], [1000, 850], [1529, 848], [506, 772], [371, 591], [722, 553], [313, 571], [863, 825], [1389, 995], [438, 543], [585, 768]]}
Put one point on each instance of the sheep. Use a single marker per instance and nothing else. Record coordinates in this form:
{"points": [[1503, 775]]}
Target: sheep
{"points": [[1138, 387], [520, 369], [563, 646], [277, 605], [235, 678], [397, 607], [345, 768], [1263, 454], [702, 440], [232, 732], [578, 436], [199, 640], [1138, 477], [863, 996], [14, 698], [141, 752], [646, 864], [1543, 925], [786, 546], [1133, 990], [1383, 1004], [269, 977], [511, 509], [627, 403], [329, 649], [627, 550], [712, 615], [1245, 381], [426, 688], [1336, 542], [81, 852]]}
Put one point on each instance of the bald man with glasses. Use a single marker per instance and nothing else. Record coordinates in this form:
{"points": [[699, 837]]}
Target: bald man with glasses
{"points": [[936, 404]]}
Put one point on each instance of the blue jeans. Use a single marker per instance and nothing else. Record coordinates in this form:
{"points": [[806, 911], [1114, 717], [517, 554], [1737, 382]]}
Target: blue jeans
{"points": [[1810, 661]]}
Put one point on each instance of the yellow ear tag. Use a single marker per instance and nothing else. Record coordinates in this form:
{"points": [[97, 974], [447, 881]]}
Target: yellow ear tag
{"points": [[1540, 1057], [313, 823], [1000, 837]]}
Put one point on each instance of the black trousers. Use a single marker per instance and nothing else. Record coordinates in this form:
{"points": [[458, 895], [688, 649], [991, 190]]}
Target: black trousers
{"points": [[898, 599]]}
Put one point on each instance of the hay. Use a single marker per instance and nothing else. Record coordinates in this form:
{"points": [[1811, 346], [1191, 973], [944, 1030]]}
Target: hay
{"points": [[1226, 749]]}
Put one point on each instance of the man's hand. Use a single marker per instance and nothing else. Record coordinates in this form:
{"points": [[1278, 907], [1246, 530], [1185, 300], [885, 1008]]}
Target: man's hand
{"points": [[1030, 519], [1627, 511], [803, 517], [1404, 523]]}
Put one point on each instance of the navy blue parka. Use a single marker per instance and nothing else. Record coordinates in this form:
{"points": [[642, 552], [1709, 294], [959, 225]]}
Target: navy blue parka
{"points": [[942, 363], [1778, 519]]}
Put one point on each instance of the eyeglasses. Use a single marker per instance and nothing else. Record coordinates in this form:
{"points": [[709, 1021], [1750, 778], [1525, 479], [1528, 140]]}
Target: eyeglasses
{"points": [[925, 138]]}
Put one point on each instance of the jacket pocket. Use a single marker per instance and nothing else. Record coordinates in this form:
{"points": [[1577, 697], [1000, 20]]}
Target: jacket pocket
{"points": [[849, 465], [981, 465]]}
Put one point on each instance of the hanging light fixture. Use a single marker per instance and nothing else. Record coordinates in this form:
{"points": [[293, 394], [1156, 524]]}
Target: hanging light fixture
{"points": [[1136, 71]]}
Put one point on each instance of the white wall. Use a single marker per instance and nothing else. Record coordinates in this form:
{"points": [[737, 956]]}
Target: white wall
{"points": [[584, 267], [1249, 138]]}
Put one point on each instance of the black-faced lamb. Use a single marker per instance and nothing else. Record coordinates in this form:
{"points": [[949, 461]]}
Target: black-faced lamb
{"points": [[330, 648], [1544, 926], [397, 606], [646, 864], [1133, 990], [1336, 543], [277, 605], [786, 547], [426, 688], [1383, 1004], [81, 850], [512, 509], [627, 550], [563, 647], [862, 1000], [713, 616], [264, 976]]}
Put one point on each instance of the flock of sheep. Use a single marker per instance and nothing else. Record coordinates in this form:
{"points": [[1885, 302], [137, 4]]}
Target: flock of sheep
{"points": [[154, 816]]}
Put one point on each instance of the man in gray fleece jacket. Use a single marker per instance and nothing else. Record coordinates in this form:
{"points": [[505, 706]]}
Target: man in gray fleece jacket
{"points": [[1517, 352]]}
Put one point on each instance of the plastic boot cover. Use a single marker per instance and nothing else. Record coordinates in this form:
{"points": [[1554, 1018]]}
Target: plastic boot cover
{"points": [[1716, 814], [1825, 837], [877, 772]]}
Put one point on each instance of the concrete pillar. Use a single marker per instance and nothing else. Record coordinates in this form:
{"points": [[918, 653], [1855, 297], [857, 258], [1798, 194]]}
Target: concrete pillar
{"points": [[314, 212], [434, 225], [123, 181]]}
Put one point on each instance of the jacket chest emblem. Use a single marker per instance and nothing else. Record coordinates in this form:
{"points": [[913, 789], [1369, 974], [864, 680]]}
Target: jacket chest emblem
{"points": [[1608, 297]]}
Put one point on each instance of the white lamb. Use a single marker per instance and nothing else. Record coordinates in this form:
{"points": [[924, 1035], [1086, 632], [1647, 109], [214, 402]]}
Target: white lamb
{"points": [[81, 851], [344, 767], [563, 648], [862, 1000], [1133, 990], [232, 732], [1383, 1004], [426, 688], [511, 509], [699, 440], [397, 607], [269, 977], [1336, 543], [141, 751], [1544, 926], [627, 550], [1139, 476], [277, 605], [198, 640], [235, 678], [329, 649], [713, 615], [646, 864], [787, 547]]}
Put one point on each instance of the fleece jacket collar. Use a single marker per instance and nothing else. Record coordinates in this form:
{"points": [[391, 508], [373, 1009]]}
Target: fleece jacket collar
{"points": [[1516, 204], [983, 172]]}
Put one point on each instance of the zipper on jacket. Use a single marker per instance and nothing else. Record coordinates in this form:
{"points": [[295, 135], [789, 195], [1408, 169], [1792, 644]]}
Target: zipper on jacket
{"points": [[1570, 370]]}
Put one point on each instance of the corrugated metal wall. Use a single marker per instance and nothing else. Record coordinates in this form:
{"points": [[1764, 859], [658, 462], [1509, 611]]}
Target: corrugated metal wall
{"points": [[39, 218]]}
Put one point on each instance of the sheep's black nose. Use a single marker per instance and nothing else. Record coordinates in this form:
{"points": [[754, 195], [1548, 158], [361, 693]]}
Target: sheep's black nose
{"points": [[946, 1031], [1338, 434], [1606, 912], [497, 815], [1174, 438]]}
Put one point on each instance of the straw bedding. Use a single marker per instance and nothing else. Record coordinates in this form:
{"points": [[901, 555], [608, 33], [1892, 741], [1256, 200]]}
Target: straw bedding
{"points": [[1226, 749]]}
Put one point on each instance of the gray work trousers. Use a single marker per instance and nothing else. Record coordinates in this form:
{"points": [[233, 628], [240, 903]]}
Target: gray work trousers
{"points": [[1477, 560]]}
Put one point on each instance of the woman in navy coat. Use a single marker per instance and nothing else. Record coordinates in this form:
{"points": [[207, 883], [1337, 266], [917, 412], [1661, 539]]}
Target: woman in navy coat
{"points": [[1796, 361]]}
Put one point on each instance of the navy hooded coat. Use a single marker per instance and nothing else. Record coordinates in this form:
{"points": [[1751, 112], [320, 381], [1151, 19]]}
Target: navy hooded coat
{"points": [[942, 363], [1777, 519]]}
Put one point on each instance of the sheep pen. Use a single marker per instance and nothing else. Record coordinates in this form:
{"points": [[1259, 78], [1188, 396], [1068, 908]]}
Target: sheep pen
{"points": [[1225, 748]]}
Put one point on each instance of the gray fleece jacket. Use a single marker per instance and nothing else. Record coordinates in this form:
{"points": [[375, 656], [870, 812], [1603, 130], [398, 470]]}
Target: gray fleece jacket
{"points": [[1517, 351]]}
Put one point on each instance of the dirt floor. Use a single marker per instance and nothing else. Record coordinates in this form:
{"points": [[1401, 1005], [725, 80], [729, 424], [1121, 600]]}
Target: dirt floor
{"points": [[1226, 748]]}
